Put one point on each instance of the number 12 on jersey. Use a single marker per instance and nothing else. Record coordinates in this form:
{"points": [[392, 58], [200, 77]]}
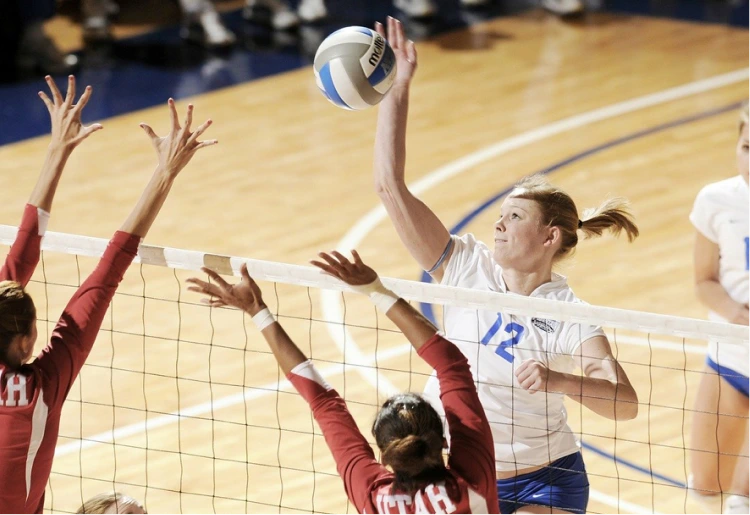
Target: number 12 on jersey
{"points": [[514, 330]]}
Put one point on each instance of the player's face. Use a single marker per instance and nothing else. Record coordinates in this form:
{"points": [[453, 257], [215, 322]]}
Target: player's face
{"points": [[742, 162], [520, 235]]}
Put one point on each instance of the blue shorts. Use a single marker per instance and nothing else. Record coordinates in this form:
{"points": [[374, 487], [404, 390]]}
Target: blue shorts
{"points": [[562, 484], [737, 380]]}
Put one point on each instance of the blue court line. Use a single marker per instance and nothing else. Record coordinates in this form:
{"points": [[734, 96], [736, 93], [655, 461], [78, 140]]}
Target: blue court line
{"points": [[632, 465], [425, 277]]}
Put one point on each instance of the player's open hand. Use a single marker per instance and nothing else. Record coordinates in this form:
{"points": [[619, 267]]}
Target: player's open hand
{"points": [[67, 129], [353, 274], [176, 149], [403, 48], [245, 295]]}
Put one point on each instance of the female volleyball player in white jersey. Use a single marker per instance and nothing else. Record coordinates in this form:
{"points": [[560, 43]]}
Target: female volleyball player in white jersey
{"points": [[32, 394], [719, 435], [513, 358], [407, 429]]}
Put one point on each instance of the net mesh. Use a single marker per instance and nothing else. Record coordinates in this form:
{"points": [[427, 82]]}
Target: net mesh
{"points": [[183, 406]]}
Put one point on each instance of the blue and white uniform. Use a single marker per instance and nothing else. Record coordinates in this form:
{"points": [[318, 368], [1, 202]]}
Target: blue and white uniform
{"points": [[720, 213], [528, 430]]}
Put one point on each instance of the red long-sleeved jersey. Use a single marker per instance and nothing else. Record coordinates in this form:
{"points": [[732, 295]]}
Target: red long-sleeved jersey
{"points": [[31, 397], [368, 483]]}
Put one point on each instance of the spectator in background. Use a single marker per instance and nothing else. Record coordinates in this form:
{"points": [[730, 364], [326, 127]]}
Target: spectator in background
{"points": [[200, 22], [280, 15]]}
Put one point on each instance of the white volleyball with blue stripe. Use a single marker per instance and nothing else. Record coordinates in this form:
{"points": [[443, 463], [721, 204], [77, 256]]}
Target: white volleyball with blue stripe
{"points": [[354, 67]]}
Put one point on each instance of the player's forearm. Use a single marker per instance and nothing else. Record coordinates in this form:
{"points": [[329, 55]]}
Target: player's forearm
{"points": [[24, 254], [390, 139], [610, 399], [46, 186], [284, 350], [715, 297], [82, 317], [152, 199], [417, 329]]}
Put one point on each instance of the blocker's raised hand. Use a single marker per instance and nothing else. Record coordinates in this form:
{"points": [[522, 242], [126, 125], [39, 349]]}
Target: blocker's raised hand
{"points": [[176, 149], [65, 116]]}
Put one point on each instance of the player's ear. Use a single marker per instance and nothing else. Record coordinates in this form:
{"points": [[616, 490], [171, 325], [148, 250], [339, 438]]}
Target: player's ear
{"points": [[553, 237]]}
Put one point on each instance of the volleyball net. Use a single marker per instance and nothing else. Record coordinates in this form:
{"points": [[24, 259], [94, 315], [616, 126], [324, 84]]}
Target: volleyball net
{"points": [[183, 407]]}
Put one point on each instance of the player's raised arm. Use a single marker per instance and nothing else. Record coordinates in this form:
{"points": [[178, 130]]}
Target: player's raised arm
{"points": [[174, 151], [472, 450], [421, 231], [67, 134], [354, 458]]}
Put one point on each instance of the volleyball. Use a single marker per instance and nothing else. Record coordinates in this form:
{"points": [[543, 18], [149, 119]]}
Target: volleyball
{"points": [[354, 68]]}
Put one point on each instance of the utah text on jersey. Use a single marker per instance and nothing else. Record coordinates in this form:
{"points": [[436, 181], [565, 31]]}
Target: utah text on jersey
{"points": [[437, 502], [14, 393]]}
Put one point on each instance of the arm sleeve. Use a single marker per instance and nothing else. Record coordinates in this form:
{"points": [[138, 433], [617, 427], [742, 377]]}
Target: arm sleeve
{"points": [[576, 334], [76, 331], [472, 452], [703, 215], [23, 257], [470, 258], [355, 461]]}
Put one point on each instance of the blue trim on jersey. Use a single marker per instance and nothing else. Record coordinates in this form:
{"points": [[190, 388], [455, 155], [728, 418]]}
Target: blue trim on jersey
{"points": [[738, 381], [327, 81], [563, 484], [444, 255]]}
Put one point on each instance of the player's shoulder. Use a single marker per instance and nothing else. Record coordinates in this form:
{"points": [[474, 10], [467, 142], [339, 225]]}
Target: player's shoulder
{"points": [[470, 247], [469, 240], [558, 289], [718, 192]]}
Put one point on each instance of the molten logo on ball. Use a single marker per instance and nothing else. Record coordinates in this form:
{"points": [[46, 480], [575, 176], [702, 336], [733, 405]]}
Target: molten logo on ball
{"points": [[354, 68]]}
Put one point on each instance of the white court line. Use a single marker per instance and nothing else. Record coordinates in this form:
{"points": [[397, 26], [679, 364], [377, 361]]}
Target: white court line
{"points": [[614, 502], [331, 300], [206, 407]]}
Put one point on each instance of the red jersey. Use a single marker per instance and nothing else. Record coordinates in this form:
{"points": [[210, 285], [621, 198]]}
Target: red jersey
{"points": [[31, 397], [368, 483]]}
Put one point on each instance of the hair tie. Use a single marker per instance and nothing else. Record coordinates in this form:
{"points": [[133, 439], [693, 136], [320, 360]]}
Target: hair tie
{"points": [[580, 223]]}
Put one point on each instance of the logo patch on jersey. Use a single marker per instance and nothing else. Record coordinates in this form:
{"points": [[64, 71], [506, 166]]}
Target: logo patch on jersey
{"points": [[548, 326]]}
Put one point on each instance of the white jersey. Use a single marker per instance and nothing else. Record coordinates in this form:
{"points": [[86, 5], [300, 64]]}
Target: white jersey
{"points": [[528, 429], [720, 213]]}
